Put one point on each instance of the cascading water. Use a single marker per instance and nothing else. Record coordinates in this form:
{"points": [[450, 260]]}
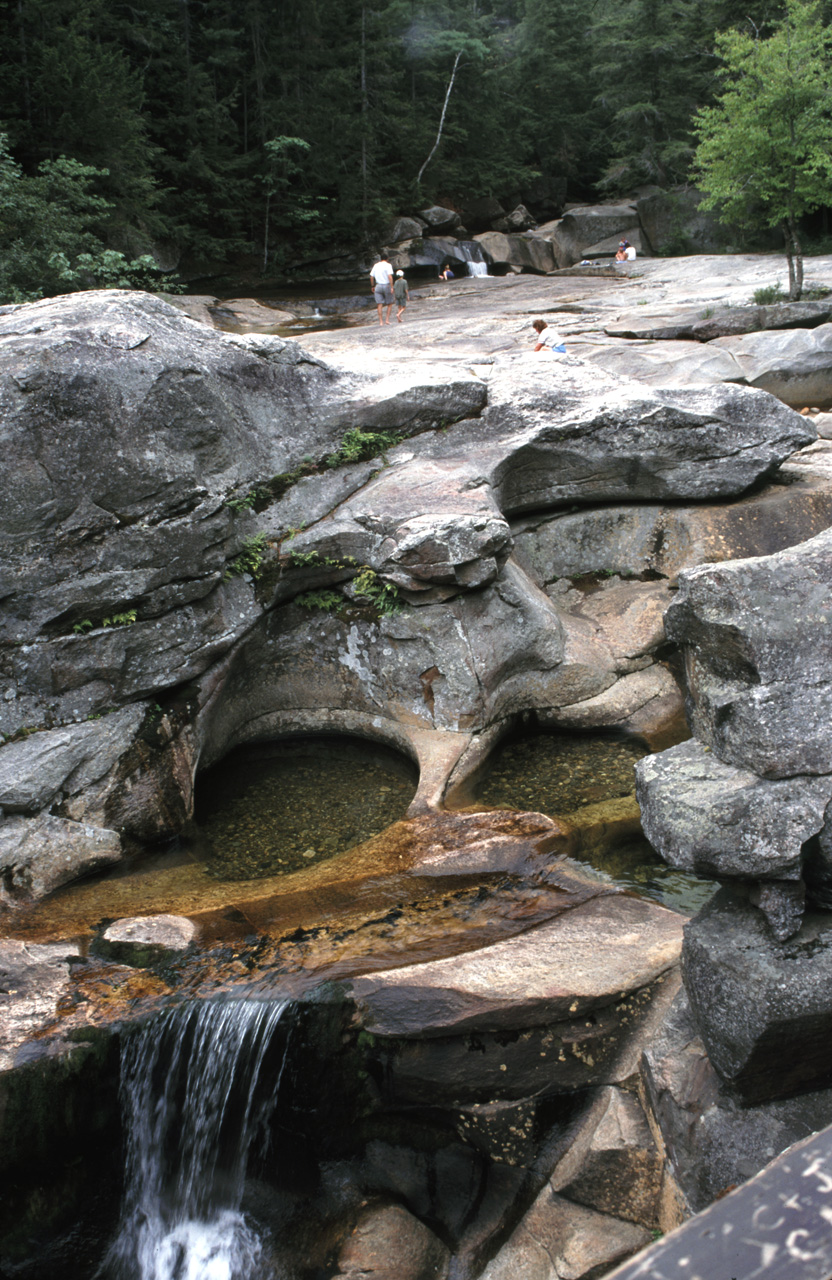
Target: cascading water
{"points": [[193, 1112], [472, 253]]}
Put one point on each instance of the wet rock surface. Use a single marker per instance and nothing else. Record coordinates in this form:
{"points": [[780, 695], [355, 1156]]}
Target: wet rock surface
{"points": [[540, 977], [147, 939]]}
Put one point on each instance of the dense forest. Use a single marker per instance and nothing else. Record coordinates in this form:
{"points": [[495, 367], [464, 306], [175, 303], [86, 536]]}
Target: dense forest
{"points": [[281, 129]]}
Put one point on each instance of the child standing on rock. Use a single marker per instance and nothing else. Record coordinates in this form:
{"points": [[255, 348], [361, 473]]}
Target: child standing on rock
{"points": [[402, 294]]}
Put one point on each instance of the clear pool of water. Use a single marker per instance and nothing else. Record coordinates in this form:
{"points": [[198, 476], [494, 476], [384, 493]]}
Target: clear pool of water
{"points": [[273, 808], [560, 774]]}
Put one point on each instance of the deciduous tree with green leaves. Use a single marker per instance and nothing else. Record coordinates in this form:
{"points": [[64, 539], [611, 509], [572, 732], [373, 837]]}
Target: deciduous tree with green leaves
{"points": [[765, 147]]}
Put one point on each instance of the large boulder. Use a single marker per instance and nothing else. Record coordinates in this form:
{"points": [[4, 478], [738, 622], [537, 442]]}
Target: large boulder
{"points": [[713, 1140], [518, 220], [698, 443], [404, 229], [793, 364], [759, 656], [529, 251], [762, 1007], [715, 820], [584, 226], [438, 219], [674, 224]]}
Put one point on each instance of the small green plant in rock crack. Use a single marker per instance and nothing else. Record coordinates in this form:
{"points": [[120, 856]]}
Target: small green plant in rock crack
{"points": [[357, 445], [250, 557], [82, 627], [125, 619], [303, 559], [246, 501], [383, 596], [328, 601], [312, 559]]}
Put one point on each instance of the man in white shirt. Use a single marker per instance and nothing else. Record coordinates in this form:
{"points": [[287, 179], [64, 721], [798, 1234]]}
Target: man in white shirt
{"points": [[381, 283]]}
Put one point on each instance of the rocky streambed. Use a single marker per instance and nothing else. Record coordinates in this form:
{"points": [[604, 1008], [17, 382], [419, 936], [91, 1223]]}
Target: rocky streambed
{"points": [[421, 537]]}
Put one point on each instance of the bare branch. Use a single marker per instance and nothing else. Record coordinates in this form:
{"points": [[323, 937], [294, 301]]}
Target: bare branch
{"points": [[442, 119]]}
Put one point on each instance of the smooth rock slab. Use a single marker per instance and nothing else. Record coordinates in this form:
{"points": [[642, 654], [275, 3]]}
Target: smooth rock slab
{"points": [[36, 769], [584, 960], [758, 640], [38, 855], [763, 1008], [715, 820], [793, 364], [481, 1066], [558, 1240], [142, 940]]}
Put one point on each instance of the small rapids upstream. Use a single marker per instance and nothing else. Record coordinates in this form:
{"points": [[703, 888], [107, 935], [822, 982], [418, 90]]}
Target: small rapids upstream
{"points": [[194, 1110]]}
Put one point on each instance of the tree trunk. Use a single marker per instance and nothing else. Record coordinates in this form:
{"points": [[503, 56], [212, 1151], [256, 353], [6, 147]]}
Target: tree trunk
{"points": [[365, 121], [442, 119], [794, 253]]}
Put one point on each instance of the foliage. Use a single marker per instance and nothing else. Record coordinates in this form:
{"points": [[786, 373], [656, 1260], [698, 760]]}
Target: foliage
{"points": [[765, 147], [328, 601], [769, 294], [358, 445], [383, 596], [303, 559], [48, 233], [209, 129], [250, 558], [366, 588], [125, 619]]}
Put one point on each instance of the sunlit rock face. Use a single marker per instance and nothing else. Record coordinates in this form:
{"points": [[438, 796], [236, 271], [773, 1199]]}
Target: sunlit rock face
{"points": [[214, 537]]}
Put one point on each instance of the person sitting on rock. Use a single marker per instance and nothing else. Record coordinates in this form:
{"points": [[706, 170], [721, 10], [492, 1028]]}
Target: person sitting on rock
{"points": [[381, 283], [626, 252], [446, 273], [548, 339], [402, 294]]}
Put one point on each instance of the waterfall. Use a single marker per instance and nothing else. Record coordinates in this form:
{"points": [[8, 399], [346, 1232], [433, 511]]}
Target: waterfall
{"points": [[473, 255], [189, 1089]]}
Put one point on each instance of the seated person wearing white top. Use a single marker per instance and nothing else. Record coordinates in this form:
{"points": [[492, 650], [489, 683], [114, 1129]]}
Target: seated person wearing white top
{"points": [[547, 338], [626, 252]]}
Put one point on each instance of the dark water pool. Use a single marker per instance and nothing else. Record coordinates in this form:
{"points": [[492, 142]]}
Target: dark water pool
{"points": [[274, 808]]}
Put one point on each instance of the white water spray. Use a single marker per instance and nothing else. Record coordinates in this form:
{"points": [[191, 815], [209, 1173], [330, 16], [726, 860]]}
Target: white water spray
{"points": [[473, 255], [193, 1111]]}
